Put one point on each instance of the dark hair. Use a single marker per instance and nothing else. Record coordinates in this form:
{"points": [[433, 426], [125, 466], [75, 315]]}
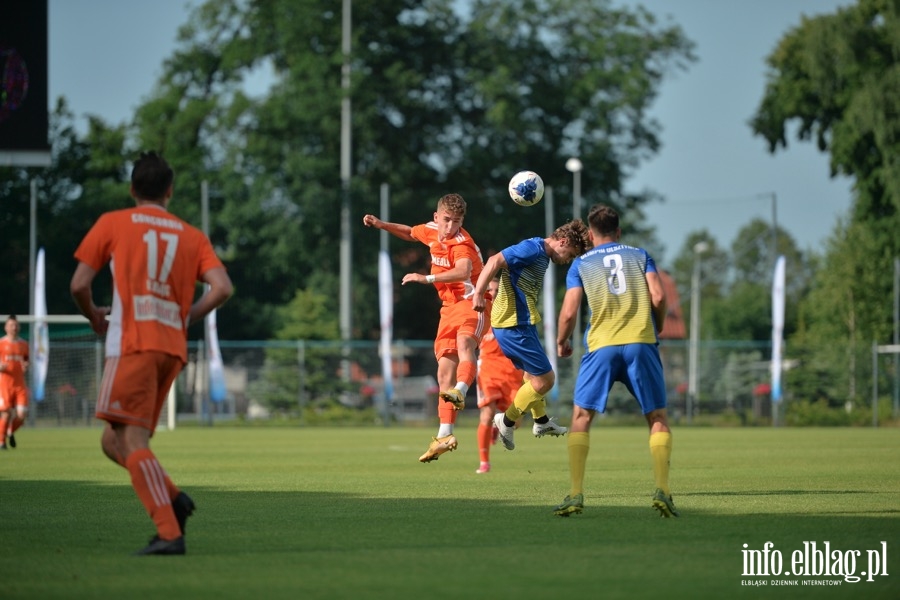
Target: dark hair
{"points": [[12, 318], [151, 177], [603, 219]]}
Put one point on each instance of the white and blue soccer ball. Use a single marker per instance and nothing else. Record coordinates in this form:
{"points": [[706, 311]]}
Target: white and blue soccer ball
{"points": [[526, 188]]}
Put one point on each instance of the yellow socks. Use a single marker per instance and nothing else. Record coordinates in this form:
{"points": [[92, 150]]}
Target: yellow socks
{"points": [[661, 452], [525, 399], [579, 445]]}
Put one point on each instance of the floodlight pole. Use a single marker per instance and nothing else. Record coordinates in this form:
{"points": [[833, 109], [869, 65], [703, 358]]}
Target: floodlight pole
{"points": [[693, 353], [206, 398], [575, 166], [896, 411], [32, 244], [346, 322]]}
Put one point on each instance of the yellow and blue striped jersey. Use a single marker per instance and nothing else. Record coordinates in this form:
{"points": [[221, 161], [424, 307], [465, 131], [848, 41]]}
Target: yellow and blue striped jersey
{"points": [[613, 277], [520, 284]]}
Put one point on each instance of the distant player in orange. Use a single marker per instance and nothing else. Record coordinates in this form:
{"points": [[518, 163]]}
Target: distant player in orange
{"points": [[455, 264], [498, 381], [13, 390], [156, 261]]}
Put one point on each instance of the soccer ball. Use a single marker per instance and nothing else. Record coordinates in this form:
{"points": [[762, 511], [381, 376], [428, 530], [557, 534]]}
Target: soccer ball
{"points": [[526, 188]]}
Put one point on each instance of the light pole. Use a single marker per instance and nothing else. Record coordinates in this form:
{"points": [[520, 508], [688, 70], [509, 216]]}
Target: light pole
{"points": [[574, 166], [699, 249]]}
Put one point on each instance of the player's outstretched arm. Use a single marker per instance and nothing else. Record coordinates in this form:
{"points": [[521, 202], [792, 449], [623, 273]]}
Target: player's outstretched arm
{"points": [[404, 232]]}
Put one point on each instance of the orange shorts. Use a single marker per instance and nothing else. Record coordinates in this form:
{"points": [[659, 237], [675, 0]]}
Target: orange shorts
{"points": [[13, 395], [499, 387], [135, 386], [460, 319]]}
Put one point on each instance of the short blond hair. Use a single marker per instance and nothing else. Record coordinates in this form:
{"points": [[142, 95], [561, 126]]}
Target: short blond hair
{"points": [[453, 204]]}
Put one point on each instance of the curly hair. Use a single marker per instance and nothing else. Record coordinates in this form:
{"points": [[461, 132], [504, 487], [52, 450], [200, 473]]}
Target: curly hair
{"points": [[576, 234], [453, 204]]}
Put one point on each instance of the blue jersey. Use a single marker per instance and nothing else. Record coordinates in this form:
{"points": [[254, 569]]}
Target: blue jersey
{"points": [[520, 283], [613, 277]]}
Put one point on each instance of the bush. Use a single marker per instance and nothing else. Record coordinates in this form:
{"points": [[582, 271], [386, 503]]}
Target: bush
{"points": [[819, 414]]}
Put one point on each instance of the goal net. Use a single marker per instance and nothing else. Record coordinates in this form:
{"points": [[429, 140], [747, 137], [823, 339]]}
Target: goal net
{"points": [[75, 367]]}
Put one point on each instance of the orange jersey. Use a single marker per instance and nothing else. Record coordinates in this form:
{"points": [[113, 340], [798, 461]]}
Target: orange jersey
{"points": [[13, 354], [444, 256], [156, 260]]}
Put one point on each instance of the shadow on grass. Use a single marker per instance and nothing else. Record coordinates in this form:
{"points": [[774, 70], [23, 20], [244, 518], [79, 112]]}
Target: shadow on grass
{"points": [[72, 539], [87, 515], [782, 493]]}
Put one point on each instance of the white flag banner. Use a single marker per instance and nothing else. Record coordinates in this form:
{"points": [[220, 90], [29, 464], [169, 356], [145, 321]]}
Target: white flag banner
{"points": [[549, 317], [217, 390], [386, 312], [777, 327], [40, 339]]}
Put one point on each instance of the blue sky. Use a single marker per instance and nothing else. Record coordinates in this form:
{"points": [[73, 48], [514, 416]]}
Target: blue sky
{"points": [[105, 56]]}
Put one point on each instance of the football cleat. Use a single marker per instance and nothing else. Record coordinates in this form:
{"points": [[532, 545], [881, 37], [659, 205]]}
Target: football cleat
{"points": [[571, 505], [506, 433], [664, 504], [438, 446], [163, 547], [454, 397], [183, 507], [548, 428]]}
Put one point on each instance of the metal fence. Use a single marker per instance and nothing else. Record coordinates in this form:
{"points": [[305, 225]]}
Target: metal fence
{"points": [[318, 381]]}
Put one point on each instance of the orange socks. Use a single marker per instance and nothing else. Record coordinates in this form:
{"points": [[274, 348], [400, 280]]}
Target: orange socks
{"points": [[4, 423], [465, 372], [153, 488], [446, 412], [484, 442], [16, 423]]}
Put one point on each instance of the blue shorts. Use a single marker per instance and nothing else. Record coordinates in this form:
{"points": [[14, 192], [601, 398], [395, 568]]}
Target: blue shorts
{"points": [[523, 347], [638, 366]]}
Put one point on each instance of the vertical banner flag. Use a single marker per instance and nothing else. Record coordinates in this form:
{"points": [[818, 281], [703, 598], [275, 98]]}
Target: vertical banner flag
{"points": [[40, 338], [777, 327], [386, 311], [550, 298], [214, 360], [550, 325]]}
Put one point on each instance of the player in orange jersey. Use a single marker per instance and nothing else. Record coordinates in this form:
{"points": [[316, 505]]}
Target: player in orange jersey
{"points": [[498, 381], [13, 389], [156, 260], [455, 264]]}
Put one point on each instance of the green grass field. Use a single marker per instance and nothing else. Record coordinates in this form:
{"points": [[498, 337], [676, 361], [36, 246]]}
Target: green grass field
{"points": [[351, 513]]}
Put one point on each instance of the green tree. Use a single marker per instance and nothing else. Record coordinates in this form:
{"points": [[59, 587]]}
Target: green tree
{"points": [[714, 265], [306, 317], [86, 177], [442, 101], [745, 311], [838, 78]]}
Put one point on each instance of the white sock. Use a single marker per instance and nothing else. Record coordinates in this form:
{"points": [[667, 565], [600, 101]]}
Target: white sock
{"points": [[445, 429], [462, 387]]}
